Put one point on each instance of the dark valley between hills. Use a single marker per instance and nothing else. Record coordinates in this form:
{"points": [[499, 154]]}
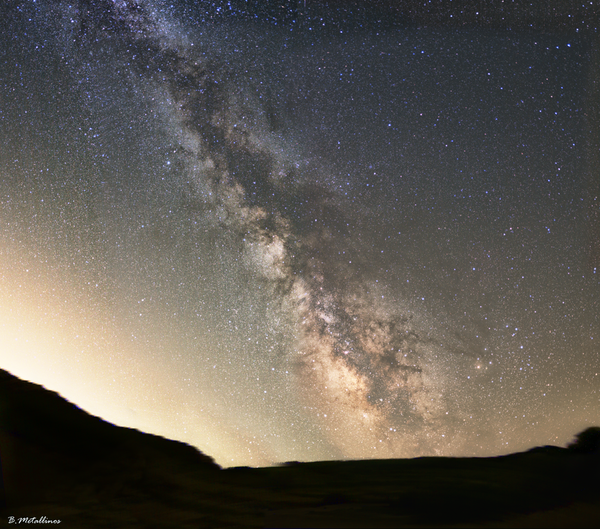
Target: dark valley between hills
{"points": [[61, 465]]}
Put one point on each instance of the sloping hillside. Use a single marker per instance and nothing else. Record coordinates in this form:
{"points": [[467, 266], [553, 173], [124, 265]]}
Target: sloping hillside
{"points": [[64, 464]]}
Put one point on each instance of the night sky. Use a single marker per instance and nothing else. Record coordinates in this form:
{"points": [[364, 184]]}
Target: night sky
{"points": [[304, 232]]}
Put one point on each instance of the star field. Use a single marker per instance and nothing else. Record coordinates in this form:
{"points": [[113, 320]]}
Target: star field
{"points": [[306, 233]]}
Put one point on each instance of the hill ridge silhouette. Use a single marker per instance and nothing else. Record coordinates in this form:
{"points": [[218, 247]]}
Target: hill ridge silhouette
{"points": [[33, 409], [60, 462]]}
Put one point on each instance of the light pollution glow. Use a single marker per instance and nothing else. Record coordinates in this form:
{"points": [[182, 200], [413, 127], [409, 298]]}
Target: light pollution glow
{"points": [[277, 245]]}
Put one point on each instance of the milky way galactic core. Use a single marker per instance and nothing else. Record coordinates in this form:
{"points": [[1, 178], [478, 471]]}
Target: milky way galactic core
{"points": [[302, 232]]}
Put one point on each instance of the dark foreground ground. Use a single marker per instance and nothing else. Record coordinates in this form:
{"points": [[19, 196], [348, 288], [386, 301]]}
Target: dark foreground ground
{"points": [[63, 464]]}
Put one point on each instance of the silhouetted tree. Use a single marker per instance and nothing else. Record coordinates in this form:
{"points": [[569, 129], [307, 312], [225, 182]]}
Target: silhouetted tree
{"points": [[586, 442]]}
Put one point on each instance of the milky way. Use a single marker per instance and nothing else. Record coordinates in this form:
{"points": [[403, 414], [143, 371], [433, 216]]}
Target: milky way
{"points": [[277, 236]]}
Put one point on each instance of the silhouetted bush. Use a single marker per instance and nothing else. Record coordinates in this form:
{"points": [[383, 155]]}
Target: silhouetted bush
{"points": [[587, 442]]}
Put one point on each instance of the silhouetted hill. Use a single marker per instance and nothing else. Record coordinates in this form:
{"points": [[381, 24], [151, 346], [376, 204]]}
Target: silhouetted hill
{"points": [[32, 413], [61, 463], [50, 449]]}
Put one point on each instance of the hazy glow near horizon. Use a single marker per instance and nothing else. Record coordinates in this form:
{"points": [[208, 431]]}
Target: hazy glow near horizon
{"points": [[277, 243]]}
